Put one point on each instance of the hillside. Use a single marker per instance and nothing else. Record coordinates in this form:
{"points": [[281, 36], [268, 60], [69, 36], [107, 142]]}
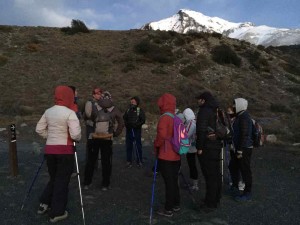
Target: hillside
{"points": [[33, 60]]}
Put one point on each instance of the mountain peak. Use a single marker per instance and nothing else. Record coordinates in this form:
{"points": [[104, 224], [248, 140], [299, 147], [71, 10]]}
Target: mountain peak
{"points": [[187, 20]]}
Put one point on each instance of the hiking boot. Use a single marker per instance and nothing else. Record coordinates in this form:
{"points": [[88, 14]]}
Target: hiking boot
{"points": [[86, 187], [74, 175], [194, 186], [58, 218], [139, 165], [128, 165], [42, 209], [244, 197], [176, 209], [164, 212]]}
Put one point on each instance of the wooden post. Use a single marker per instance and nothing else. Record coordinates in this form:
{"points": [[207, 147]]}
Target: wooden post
{"points": [[13, 158]]}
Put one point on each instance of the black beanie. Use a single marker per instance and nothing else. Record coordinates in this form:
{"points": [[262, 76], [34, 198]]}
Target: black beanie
{"points": [[137, 99], [205, 95]]}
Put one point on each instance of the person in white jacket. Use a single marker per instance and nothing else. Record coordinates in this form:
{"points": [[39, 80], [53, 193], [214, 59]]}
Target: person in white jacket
{"points": [[190, 124], [60, 126]]}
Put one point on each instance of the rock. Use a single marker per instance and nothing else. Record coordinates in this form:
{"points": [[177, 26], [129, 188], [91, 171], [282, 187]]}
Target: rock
{"points": [[271, 138], [23, 125], [2, 129], [145, 126]]}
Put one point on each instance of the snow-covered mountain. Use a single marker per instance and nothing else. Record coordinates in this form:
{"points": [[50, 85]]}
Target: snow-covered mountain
{"points": [[188, 20]]}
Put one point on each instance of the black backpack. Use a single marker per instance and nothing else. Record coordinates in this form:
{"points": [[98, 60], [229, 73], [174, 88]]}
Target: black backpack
{"points": [[222, 130]]}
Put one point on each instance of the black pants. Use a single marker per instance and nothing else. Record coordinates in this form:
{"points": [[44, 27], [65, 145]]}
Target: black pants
{"points": [[191, 160], [244, 165], [234, 170], [55, 194], [105, 147], [210, 166], [169, 171]]}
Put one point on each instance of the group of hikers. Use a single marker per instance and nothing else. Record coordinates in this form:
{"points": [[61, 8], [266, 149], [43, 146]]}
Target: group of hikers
{"points": [[60, 125]]}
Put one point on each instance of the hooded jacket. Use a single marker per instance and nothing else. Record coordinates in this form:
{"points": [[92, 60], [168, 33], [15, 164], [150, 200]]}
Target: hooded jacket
{"points": [[162, 143], [59, 124], [190, 124], [206, 118], [242, 126]]}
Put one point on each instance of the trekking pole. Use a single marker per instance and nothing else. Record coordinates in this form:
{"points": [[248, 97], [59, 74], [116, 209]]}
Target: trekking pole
{"points": [[222, 163], [32, 183], [136, 149], [153, 187], [227, 162], [77, 169]]}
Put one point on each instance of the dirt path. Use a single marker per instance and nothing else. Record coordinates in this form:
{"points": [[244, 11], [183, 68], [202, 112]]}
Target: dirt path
{"points": [[276, 197]]}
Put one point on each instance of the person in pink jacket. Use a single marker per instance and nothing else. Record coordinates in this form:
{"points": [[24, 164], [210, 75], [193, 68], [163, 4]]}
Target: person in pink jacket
{"points": [[168, 159], [60, 126]]}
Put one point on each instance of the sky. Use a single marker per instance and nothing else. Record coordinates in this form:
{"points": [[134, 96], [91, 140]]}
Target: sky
{"points": [[132, 14]]}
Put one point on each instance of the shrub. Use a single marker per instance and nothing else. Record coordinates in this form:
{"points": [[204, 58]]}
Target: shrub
{"points": [[128, 67], [201, 64], [223, 54], [294, 69], [4, 28], [3, 60], [294, 90], [279, 108], [159, 70], [190, 49], [179, 41], [77, 26], [162, 54], [292, 78], [32, 47], [216, 35]]}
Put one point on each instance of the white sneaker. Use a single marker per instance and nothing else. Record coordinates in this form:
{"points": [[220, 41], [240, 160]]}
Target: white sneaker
{"points": [[58, 218], [241, 185], [42, 209]]}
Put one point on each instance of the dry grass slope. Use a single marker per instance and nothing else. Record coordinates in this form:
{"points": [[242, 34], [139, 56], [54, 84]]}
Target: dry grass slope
{"points": [[33, 60]]}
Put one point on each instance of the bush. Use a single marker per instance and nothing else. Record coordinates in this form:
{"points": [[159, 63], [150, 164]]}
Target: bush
{"points": [[3, 60], [223, 54], [162, 54], [128, 67], [294, 90], [279, 108], [4, 28], [216, 35], [77, 26], [294, 69]]}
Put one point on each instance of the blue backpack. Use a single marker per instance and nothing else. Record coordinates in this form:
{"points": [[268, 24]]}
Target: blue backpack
{"points": [[180, 139]]}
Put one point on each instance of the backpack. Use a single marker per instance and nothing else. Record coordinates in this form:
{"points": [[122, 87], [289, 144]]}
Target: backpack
{"points": [[222, 130], [257, 134], [180, 140], [104, 120]]}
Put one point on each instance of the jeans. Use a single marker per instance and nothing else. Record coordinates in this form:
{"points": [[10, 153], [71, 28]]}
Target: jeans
{"points": [[133, 141]]}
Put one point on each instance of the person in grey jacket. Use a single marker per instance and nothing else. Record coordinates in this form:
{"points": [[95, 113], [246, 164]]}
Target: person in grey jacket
{"points": [[190, 125], [243, 143]]}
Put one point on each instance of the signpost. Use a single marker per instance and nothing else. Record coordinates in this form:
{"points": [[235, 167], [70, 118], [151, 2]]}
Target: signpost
{"points": [[13, 158]]}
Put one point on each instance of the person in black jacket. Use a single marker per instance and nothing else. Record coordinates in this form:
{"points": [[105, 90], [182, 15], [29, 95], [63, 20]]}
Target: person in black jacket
{"points": [[243, 143], [208, 150], [134, 118]]}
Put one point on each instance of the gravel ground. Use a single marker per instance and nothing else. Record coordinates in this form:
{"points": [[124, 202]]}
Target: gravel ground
{"points": [[276, 197]]}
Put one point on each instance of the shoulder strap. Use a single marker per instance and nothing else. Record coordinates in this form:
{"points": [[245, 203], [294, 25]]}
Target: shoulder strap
{"points": [[168, 114]]}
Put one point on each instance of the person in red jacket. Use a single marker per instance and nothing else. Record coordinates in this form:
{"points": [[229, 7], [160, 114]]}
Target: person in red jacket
{"points": [[168, 159]]}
